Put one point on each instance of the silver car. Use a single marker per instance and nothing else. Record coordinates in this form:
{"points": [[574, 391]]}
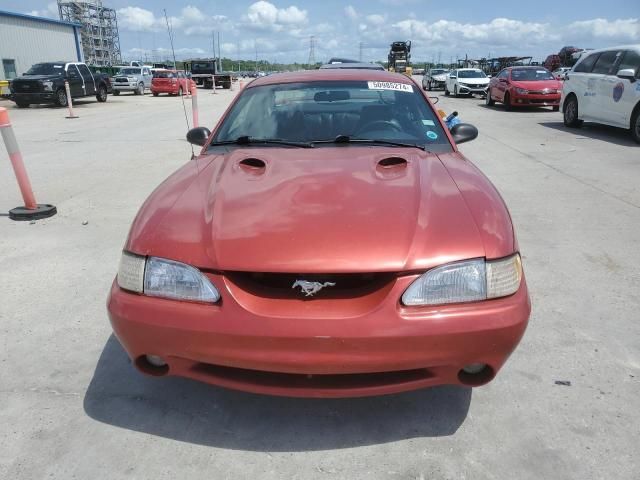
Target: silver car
{"points": [[132, 79]]}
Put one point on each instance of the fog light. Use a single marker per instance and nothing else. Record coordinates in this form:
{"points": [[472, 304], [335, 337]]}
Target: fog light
{"points": [[474, 368], [157, 361]]}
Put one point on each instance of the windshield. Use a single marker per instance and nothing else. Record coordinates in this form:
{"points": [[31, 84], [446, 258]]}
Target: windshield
{"points": [[530, 74], [471, 74], [130, 71], [164, 75], [438, 71], [46, 69], [323, 110]]}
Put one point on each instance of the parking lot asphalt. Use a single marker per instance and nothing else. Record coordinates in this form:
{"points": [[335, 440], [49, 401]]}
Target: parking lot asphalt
{"points": [[72, 406]]}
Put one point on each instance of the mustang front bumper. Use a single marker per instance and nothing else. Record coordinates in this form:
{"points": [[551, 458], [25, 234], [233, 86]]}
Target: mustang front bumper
{"points": [[342, 347]]}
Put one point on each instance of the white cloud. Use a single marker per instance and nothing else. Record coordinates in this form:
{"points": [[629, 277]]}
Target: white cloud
{"points": [[598, 29], [350, 12], [264, 15], [137, 19], [376, 19], [191, 21], [50, 12]]}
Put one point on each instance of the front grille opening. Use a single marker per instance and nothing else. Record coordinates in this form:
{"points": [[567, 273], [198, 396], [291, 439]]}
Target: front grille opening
{"points": [[302, 381], [281, 285]]}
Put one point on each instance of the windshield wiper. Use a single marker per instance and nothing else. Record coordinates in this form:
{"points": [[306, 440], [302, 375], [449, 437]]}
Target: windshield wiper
{"points": [[247, 140], [378, 141]]}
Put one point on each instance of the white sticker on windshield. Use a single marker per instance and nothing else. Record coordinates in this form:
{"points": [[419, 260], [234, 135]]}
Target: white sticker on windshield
{"points": [[400, 87], [430, 123], [57, 66]]}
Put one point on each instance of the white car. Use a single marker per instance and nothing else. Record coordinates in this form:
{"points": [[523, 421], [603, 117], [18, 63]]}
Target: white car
{"points": [[466, 81], [560, 73], [604, 87]]}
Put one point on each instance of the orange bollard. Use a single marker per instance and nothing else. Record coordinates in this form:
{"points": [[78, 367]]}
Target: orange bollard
{"points": [[194, 107], [69, 101], [31, 210]]}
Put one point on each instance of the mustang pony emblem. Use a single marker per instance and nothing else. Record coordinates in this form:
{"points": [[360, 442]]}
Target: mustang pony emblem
{"points": [[311, 288]]}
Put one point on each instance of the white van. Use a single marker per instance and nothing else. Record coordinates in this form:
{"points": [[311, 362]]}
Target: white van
{"points": [[604, 87]]}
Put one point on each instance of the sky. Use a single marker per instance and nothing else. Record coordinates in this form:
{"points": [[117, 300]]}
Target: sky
{"points": [[280, 31]]}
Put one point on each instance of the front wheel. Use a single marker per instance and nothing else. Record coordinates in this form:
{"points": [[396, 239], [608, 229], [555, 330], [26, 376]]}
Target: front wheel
{"points": [[155, 94], [116, 92], [635, 125], [571, 112], [430, 86], [140, 89], [446, 91], [101, 95], [488, 101], [61, 98], [507, 102], [455, 91], [180, 92], [23, 104]]}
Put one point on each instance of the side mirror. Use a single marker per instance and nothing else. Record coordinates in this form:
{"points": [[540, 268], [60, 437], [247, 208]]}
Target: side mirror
{"points": [[198, 135], [627, 73], [463, 132]]}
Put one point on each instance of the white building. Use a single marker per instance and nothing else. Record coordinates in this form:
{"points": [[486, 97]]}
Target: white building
{"points": [[26, 40]]}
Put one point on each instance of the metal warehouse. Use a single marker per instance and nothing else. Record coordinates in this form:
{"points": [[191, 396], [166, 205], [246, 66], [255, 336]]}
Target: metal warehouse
{"points": [[25, 40]]}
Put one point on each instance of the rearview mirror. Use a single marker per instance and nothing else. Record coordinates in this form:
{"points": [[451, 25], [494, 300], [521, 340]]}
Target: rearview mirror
{"points": [[332, 96], [628, 74], [463, 132], [198, 135]]}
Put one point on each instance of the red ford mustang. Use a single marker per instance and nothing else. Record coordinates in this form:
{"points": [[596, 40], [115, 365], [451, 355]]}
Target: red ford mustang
{"points": [[330, 240], [525, 87]]}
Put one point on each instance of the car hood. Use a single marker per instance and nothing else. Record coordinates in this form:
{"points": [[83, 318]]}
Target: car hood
{"points": [[441, 77], [538, 84], [474, 80], [312, 210], [36, 77]]}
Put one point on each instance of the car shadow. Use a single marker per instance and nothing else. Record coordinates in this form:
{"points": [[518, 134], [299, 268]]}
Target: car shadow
{"points": [[193, 412], [596, 131], [516, 109]]}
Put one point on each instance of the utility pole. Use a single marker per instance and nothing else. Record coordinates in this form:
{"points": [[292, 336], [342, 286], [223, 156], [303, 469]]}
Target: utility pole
{"points": [[361, 45], [312, 51], [219, 54], [255, 44], [213, 45]]}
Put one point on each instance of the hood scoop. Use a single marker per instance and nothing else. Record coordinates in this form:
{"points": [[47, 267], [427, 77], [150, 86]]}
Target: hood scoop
{"points": [[253, 166], [391, 168]]}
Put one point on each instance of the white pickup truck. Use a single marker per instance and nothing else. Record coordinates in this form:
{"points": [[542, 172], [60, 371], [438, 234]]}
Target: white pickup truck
{"points": [[132, 79]]}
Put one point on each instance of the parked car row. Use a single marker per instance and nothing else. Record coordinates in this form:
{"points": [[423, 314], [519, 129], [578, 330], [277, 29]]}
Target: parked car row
{"points": [[44, 83], [603, 87]]}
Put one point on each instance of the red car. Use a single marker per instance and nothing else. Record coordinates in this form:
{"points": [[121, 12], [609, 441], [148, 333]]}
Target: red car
{"points": [[173, 82], [328, 241], [524, 87]]}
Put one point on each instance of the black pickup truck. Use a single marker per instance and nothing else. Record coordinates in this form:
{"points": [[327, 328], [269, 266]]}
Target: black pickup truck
{"points": [[44, 83]]}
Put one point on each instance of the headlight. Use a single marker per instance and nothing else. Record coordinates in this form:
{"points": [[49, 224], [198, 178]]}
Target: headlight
{"points": [[159, 277], [467, 281], [522, 91], [48, 85]]}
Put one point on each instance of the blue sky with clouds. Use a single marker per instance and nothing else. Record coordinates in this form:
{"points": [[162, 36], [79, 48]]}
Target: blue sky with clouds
{"points": [[280, 30]]}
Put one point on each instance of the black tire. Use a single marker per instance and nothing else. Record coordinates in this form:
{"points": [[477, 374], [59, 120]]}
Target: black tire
{"points": [[180, 92], [507, 102], [429, 86], [140, 89], [423, 87], [22, 104], [455, 91], [61, 98], [101, 94], [488, 101], [571, 112], [446, 90], [116, 92], [155, 94], [635, 124]]}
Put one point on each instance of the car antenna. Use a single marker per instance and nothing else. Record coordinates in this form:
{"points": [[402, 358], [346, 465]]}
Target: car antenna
{"points": [[173, 52]]}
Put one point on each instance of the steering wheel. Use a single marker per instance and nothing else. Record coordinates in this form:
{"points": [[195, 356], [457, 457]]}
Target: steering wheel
{"points": [[379, 125]]}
